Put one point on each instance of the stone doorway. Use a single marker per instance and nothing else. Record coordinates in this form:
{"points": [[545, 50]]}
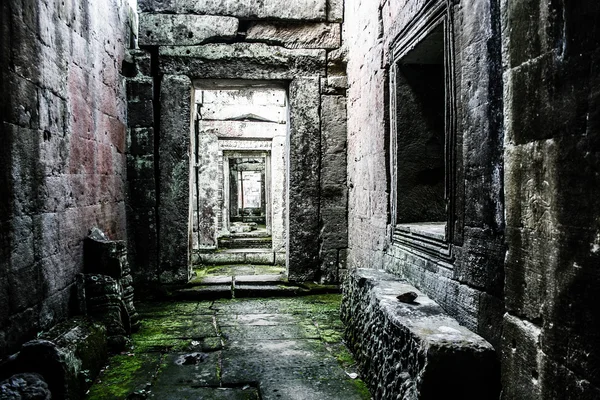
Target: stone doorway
{"points": [[299, 72], [239, 173]]}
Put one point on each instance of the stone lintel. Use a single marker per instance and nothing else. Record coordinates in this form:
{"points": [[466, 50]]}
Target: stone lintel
{"points": [[184, 30], [241, 61]]}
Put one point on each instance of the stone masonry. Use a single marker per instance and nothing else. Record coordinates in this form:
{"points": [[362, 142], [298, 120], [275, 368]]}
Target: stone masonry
{"points": [[62, 140], [184, 41], [499, 99]]}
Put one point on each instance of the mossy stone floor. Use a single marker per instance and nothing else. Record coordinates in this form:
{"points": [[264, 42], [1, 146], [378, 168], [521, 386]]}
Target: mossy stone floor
{"points": [[281, 348]]}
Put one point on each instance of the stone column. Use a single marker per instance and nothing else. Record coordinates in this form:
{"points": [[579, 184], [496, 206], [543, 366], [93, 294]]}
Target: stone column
{"points": [[304, 156], [174, 186]]}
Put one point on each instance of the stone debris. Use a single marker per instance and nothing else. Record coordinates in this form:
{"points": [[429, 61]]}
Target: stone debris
{"points": [[408, 297], [26, 386]]}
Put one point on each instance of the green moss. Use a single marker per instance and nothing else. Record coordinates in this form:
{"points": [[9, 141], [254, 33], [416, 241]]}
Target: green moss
{"points": [[124, 375], [362, 389]]}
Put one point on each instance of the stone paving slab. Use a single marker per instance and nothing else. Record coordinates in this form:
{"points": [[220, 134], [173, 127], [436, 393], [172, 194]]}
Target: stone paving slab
{"points": [[275, 332], [203, 393], [257, 319], [310, 389], [125, 374], [281, 359], [192, 368], [160, 309]]}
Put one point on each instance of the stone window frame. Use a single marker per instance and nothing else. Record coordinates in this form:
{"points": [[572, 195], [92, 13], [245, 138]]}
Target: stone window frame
{"points": [[428, 243]]}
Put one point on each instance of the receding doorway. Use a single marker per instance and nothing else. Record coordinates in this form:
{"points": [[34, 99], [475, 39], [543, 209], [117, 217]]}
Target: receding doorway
{"points": [[239, 176]]}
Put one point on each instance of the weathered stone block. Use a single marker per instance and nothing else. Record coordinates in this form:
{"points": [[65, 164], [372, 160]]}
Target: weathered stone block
{"points": [[142, 193], [241, 60], [140, 141], [174, 173], [334, 230], [335, 10], [413, 350], [143, 61], [247, 9], [140, 89], [304, 156], [522, 359], [184, 30], [69, 357], [334, 129], [240, 112], [140, 167], [25, 386], [334, 84], [140, 114], [334, 196], [307, 36], [242, 129]]}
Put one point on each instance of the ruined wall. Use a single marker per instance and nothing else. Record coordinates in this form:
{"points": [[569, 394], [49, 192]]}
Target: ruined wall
{"points": [[469, 285], [297, 43], [62, 144], [551, 54]]}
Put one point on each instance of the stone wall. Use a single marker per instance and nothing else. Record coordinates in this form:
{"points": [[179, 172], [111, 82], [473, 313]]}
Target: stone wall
{"points": [[297, 44], [526, 89], [551, 52], [469, 283], [62, 151]]}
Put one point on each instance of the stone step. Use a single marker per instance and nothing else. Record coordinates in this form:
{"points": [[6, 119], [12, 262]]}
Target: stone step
{"points": [[245, 243], [227, 289], [240, 256]]}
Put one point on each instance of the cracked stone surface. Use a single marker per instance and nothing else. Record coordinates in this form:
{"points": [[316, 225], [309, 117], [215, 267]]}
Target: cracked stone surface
{"points": [[289, 348]]}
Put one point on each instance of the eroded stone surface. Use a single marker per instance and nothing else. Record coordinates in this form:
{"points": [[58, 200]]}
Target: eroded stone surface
{"points": [[184, 30], [174, 178], [241, 60], [269, 9], [307, 36], [409, 350]]}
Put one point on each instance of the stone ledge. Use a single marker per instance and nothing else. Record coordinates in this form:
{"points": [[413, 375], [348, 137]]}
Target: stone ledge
{"points": [[413, 351]]}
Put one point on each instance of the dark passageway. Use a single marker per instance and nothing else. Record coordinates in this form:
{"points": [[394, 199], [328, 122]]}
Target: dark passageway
{"points": [[215, 198]]}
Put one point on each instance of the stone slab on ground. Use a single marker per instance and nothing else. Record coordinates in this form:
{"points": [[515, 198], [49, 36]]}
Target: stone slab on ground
{"points": [[193, 368], [213, 393], [413, 350], [259, 279]]}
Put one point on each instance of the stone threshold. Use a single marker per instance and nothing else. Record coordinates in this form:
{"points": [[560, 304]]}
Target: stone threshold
{"points": [[251, 286]]}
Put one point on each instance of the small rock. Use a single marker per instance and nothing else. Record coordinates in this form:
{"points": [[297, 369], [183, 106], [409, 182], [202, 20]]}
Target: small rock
{"points": [[408, 297], [25, 387]]}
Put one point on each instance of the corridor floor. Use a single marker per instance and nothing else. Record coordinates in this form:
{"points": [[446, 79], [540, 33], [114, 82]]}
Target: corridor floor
{"points": [[278, 348]]}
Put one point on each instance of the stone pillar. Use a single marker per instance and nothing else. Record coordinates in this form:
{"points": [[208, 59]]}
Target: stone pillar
{"points": [[174, 185], [305, 153]]}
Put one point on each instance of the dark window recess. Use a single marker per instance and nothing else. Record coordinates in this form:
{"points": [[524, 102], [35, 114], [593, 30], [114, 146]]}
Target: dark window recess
{"points": [[422, 144], [421, 133]]}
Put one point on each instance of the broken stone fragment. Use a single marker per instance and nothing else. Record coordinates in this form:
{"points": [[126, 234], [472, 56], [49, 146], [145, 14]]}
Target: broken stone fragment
{"points": [[104, 303], [26, 386], [68, 357], [408, 297], [109, 257]]}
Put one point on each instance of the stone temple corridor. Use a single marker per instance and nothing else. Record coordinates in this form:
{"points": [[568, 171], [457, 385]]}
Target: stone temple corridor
{"points": [[312, 199]]}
